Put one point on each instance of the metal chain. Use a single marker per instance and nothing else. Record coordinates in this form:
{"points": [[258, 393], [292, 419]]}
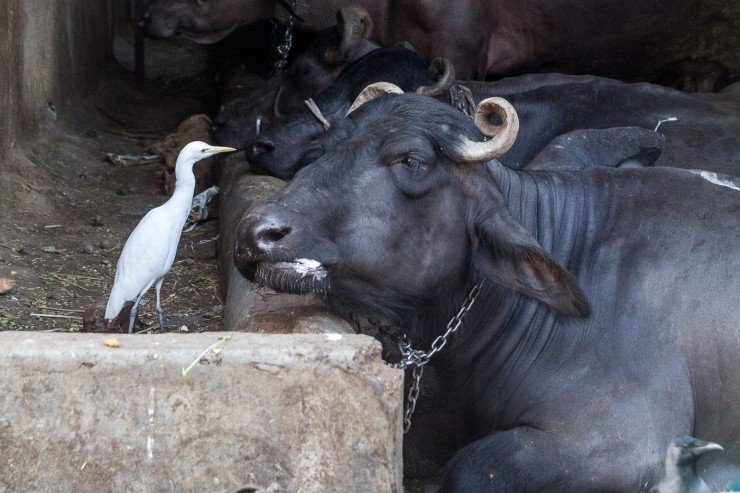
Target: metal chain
{"points": [[283, 49], [417, 359]]}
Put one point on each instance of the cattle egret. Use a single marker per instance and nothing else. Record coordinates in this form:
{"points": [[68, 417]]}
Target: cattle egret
{"points": [[149, 252], [680, 466]]}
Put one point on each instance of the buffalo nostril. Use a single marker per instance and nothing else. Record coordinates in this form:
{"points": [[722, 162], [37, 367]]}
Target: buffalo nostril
{"points": [[259, 236], [276, 234], [267, 237], [262, 147]]}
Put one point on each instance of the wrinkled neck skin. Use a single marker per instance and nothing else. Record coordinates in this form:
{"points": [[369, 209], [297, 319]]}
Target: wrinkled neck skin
{"points": [[496, 341]]}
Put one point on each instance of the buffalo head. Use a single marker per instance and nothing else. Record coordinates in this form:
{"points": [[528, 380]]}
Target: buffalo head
{"points": [[300, 138], [241, 120], [401, 214]]}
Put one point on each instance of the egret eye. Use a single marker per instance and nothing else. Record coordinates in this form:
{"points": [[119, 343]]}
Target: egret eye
{"points": [[204, 151]]}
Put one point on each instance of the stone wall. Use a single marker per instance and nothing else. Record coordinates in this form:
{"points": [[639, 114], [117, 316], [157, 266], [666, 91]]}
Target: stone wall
{"points": [[311, 413], [50, 52]]}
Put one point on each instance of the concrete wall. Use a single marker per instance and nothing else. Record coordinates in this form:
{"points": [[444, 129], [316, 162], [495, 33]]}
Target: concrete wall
{"points": [[50, 51], [312, 413]]}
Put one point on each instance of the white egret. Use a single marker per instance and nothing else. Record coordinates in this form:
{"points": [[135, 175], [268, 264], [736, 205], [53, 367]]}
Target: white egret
{"points": [[150, 250]]}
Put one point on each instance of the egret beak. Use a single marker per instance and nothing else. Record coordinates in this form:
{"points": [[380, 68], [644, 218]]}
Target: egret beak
{"points": [[216, 149], [705, 447]]}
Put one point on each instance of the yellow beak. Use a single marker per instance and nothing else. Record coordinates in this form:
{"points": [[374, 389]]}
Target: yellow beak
{"points": [[222, 149]]}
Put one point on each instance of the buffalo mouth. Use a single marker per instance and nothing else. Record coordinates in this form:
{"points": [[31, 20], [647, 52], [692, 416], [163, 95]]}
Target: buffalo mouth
{"points": [[301, 276]]}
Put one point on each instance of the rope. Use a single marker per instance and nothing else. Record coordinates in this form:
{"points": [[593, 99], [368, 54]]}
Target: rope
{"points": [[314, 109]]}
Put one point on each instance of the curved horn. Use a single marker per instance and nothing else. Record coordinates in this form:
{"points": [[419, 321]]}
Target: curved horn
{"points": [[354, 24], [443, 72], [503, 135], [373, 91]]}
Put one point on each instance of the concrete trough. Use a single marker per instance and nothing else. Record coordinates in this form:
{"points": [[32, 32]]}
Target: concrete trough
{"points": [[311, 413]]}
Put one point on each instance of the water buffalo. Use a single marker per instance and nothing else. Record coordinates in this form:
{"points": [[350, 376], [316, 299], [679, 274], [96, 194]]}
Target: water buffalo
{"points": [[699, 129], [605, 312], [297, 139], [615, 38], [239, 120]]}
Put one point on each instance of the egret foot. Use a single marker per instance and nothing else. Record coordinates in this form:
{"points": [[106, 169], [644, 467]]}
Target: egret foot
{"points": [[161, 319]]}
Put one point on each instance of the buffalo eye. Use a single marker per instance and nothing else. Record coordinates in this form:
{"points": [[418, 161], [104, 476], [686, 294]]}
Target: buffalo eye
{"points": [[414, 175], [415, 166]]}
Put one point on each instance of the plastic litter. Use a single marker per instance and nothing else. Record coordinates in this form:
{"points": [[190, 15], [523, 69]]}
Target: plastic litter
{"points": [[199, 211]]}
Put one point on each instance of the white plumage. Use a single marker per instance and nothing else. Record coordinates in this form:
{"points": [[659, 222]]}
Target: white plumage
{"points": [[150, 250]]}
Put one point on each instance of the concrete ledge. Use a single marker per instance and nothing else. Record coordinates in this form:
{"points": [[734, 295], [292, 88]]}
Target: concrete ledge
{"points": [[309, 412]]}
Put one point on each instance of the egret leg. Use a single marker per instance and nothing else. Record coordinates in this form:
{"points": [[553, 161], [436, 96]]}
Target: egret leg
{"points": [[157, 287], [135, 308]]}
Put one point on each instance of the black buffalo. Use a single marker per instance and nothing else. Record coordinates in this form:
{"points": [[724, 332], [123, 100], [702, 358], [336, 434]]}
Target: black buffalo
{"points": [[259, 104], [700, 129], [297, 138], [608, 317]]}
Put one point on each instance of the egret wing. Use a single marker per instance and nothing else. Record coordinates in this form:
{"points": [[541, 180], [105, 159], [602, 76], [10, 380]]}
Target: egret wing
{"points": [[143, 260]]}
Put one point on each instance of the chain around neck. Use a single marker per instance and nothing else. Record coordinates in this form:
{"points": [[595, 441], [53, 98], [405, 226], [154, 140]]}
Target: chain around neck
{"points": [[416, 358], [283, 49]]}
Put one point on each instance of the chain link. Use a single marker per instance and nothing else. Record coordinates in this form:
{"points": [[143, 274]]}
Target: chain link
{"points": [[283, 49], [416, 359]]}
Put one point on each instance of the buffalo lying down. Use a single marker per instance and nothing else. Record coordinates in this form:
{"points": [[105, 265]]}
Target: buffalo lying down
{"points": [[240, 119], [297, 138], [699, 130], [608, 317], [495, 38]]}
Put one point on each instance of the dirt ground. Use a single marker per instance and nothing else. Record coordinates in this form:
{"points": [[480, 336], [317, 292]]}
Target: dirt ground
{"points": [[66, 213]]}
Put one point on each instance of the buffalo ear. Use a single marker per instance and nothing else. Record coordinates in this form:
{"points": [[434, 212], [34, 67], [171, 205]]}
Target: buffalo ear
{"points": [[508, 255]]}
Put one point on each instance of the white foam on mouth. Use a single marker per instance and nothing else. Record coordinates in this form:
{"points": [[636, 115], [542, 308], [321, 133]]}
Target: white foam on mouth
{"points": [[304, 267], [716, 179]]}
